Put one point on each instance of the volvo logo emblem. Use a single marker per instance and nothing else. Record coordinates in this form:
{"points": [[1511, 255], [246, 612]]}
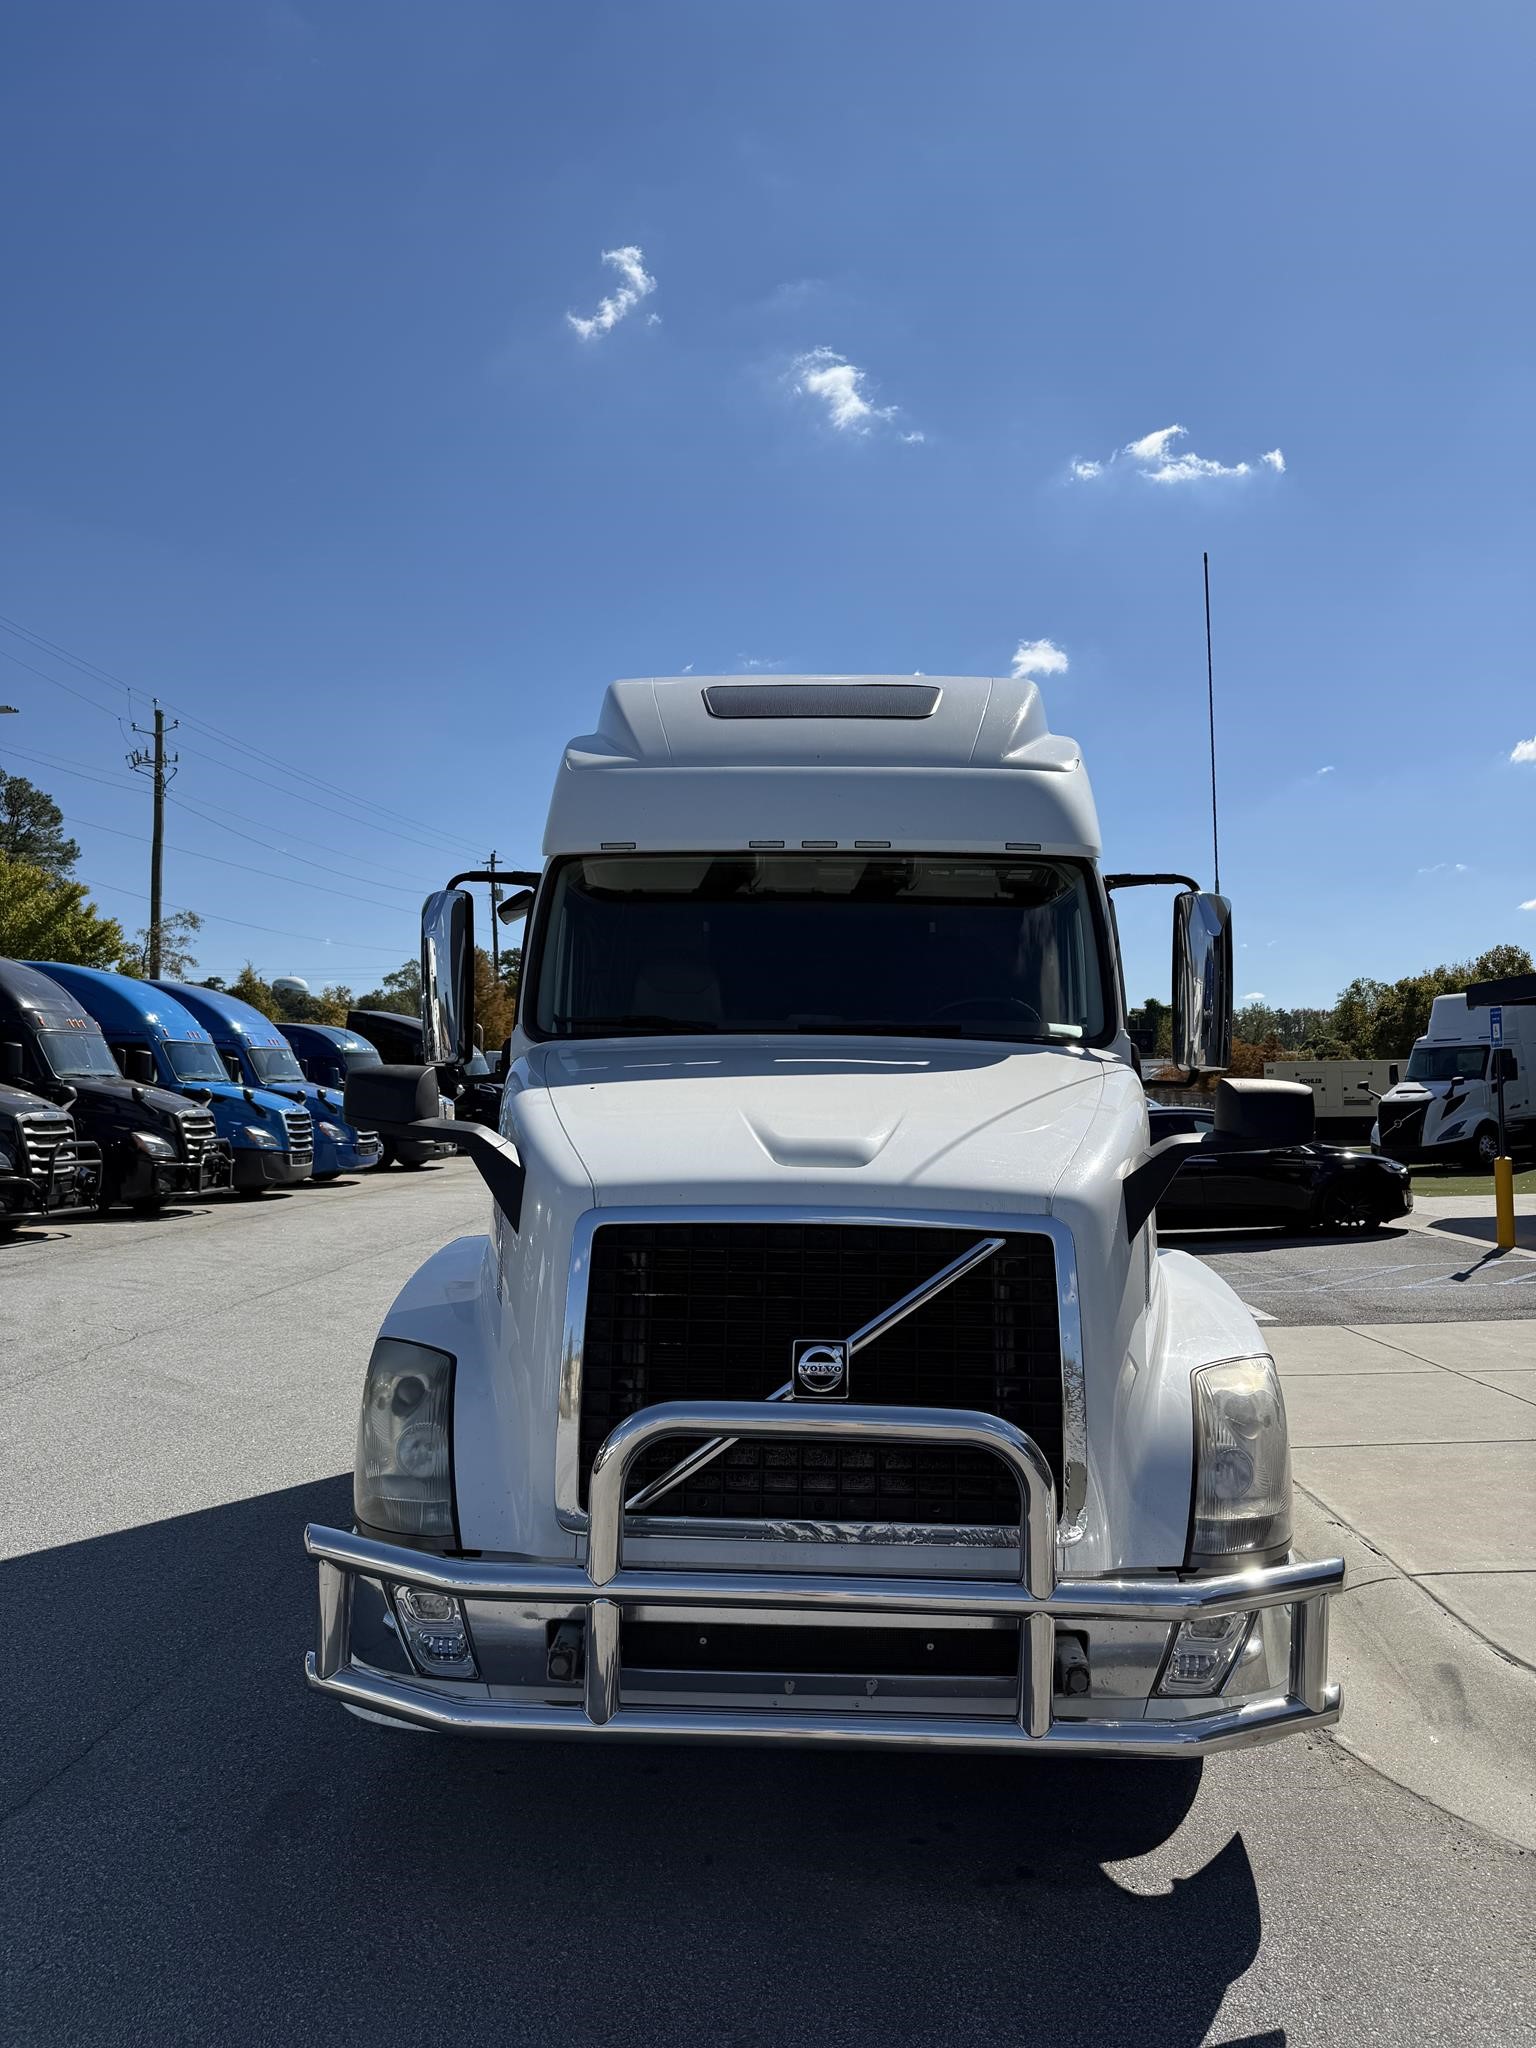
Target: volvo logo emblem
{"points": [[821, 1369]]}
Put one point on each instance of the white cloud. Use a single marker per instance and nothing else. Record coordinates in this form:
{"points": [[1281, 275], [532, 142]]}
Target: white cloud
{"points": [[1523, 750], [1154, 447], [1329, 770], [1531, 905], [843, 388], [1254, 995], [1446, 867], [687, 668], [1038, 658], [637, 284], [1157, 459]]}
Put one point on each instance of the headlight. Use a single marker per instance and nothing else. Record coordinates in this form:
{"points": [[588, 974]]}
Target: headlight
{"points": [[334, 1132], [156, 1147], [403, 1479], [253, 1134], [1242, 1462]]}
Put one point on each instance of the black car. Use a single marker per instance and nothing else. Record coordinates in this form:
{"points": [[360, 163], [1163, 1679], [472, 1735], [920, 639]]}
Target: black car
{"points": [[1224, 1183]]}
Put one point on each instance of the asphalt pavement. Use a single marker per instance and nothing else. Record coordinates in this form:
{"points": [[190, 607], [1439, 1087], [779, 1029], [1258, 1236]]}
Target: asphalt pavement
{"points": [[195, 1848], [1422, 1271]]}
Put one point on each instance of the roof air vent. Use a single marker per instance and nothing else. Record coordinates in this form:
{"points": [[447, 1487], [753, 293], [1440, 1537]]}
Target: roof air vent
{"points": [[821, 700]]}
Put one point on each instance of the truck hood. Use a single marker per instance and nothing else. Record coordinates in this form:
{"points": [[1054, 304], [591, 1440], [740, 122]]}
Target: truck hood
{"points": [[906, 1122]]}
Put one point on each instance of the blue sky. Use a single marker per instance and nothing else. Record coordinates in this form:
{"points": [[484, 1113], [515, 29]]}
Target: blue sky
{"points": [[299, 435]]}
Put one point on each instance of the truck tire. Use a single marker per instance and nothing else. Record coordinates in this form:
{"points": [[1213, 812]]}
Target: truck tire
{"points": [[1485, 1147]]}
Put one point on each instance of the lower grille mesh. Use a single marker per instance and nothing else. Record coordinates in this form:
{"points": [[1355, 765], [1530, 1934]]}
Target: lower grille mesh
{"points": [[710, 1311]]}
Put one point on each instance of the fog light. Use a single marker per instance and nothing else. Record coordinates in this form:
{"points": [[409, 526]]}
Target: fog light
{"points": [[434, 1630], [1204, 1651]]}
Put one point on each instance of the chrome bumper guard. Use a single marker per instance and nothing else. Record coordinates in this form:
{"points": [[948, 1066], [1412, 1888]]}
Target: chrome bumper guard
{"points": [[1037, 1598]]}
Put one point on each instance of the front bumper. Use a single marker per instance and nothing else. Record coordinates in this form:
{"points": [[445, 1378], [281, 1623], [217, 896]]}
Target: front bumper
{"points": [[257, 1168], [1036, 1601], [164, 1180], [68, 1184]]}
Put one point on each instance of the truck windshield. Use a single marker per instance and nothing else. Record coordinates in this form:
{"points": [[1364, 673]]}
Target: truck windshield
{"points": [[73, 1055], [355, 1056], [274, 1063], [1447, 1062], [192, 1060], [913, 944]]}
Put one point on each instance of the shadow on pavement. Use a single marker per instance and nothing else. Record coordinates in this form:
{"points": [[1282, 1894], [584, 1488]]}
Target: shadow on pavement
{"points": [[197, 1848]]}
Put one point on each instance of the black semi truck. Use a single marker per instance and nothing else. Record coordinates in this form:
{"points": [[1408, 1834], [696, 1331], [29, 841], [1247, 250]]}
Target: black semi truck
{"points": [[153, 1146]]}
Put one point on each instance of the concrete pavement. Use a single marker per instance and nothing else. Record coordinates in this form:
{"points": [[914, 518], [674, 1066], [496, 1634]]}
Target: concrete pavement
{"points": [[1414, 1455]]}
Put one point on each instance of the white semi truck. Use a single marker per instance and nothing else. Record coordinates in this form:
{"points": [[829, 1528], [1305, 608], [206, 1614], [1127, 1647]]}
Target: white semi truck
{"points": [[1445, 1109], [818, 1377]]}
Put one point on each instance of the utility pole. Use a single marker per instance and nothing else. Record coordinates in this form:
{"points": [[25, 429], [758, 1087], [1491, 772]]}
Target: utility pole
{"points": [[495, 920], [162, 771]]}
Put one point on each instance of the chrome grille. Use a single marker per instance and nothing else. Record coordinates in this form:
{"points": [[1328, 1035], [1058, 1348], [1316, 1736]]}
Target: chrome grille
{"points": [[692, 1311], [197, 1132], [48, 1139], [301, 1134]]}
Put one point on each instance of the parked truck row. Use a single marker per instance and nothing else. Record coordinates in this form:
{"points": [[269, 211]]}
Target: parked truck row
{"points": [[121, 1092]]}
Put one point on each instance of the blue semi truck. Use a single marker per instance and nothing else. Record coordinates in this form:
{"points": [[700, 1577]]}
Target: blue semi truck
{"points": [[328, 1053], [271, 1136], [257, 1052]]}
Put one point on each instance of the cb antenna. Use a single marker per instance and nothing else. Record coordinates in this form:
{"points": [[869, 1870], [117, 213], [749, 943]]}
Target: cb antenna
{"points": [[1210, 705]]}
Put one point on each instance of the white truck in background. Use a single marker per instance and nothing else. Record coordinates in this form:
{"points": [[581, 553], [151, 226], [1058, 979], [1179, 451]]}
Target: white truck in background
{"points": [[1445, 1108], [1344, 1092], [818, 1377]]}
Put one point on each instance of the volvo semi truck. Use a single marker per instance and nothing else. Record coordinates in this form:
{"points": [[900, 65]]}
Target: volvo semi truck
{"points": [[818, 1376], [271, 1138], [257, 1055], [155, 1145], [1445, 1109]]}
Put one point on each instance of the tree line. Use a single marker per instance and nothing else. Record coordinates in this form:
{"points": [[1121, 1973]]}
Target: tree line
{"points": [[1369, 1020]]}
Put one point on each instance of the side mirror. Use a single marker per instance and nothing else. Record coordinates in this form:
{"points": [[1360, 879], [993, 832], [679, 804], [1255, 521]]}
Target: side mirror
{"points": [[1505, 1066], [10, 1061], [448, 977], [1265, 1113], [1202, 982], [139, 1065], [390, 1099], [517, 905]]}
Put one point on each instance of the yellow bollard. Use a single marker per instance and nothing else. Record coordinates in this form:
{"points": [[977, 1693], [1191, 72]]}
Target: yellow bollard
{"points": [[1504, 1203]]}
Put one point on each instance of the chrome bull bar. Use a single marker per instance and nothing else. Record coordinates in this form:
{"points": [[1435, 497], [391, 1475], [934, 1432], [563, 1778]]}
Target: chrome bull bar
{"points": [[1039, 1600]]}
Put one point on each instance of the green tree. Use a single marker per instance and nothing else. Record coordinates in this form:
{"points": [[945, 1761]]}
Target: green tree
{"points": [[177, 960], [1151, 1028], [399, 991], [32, 828], [43, 917]]}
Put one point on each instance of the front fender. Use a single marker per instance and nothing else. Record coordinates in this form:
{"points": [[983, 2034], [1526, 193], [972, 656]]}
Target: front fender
{"points": [[1195, 1320]]}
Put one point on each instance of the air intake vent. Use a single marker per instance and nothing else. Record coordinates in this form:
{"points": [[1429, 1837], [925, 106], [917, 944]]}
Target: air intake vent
{"points": [[822, 700]]}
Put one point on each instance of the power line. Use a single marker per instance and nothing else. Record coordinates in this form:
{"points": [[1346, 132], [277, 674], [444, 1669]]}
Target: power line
{"points": [[210, 917], [272, 848], [396, 818], [84, 699], [190, 853], [63, 764]]}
